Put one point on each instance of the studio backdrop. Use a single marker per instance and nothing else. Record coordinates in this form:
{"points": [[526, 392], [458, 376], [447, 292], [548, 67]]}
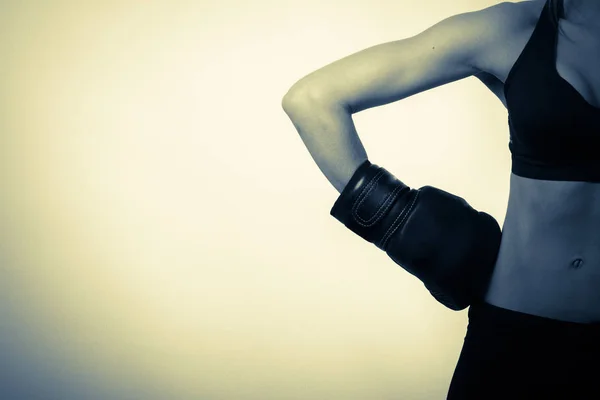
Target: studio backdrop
{"points": [[165, 234]]}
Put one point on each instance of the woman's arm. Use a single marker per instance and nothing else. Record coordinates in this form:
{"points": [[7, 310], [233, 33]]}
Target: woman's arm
{"points": [[321, 104], [327, 130]]}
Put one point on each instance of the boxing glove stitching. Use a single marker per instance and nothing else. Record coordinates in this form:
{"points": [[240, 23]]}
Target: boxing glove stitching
{"points": [[393, 228], [362, 196], [383, 208], [395, 224], [368, 187]]}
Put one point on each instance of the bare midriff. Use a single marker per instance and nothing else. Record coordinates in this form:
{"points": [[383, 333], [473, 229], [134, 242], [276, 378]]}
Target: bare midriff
{"points": [[549, 259]]}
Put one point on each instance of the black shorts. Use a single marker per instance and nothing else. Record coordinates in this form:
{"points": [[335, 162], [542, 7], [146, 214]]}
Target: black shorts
{"points": [[511, 355]]}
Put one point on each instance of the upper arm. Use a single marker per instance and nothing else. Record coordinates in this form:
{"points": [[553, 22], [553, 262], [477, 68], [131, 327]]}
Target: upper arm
{"points": [[453, 49]]}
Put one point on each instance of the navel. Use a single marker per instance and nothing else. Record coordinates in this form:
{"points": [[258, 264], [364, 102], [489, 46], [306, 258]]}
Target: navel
{"points": [[576, 263]]}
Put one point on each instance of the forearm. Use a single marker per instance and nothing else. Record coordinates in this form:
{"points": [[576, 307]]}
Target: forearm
{"points": [[329, 134]]}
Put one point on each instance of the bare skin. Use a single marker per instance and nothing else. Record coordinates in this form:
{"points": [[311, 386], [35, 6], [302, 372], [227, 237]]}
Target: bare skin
{"points": [[549, 261]]}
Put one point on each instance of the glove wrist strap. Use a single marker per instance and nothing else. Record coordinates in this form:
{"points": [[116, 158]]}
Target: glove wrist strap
{"points": [[374, 204]]}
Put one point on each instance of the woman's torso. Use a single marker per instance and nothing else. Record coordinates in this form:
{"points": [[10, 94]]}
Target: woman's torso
{"points": [[549, 260]]}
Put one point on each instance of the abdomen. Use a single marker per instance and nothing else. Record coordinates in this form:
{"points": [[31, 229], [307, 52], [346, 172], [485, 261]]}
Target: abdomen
{"points": [[549, 259]]}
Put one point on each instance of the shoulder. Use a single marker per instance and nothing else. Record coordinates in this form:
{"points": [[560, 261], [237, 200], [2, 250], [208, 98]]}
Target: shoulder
{"points": [[515, 13], [508, 26], [505, 16]]}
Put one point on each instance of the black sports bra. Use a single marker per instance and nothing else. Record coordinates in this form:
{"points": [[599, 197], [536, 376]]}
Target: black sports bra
{"points": [[554, 131]]}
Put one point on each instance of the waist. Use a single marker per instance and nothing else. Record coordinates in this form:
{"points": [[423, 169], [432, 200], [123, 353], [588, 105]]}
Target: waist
{"points": [[549, 258]]}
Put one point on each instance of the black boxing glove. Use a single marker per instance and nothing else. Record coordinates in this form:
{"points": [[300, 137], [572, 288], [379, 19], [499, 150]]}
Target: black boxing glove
{"points": [[434, 235]]}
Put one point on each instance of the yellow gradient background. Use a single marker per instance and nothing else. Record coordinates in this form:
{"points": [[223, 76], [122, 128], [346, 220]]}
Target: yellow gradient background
{"points": [[164, 233]]}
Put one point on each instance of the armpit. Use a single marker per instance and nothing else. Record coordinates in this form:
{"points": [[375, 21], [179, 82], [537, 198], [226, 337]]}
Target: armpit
{"points": [[492, 83]]}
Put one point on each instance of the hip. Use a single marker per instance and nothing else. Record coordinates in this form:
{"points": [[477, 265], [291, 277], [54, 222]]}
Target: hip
{"points": [[509, 354], [547, 280]]}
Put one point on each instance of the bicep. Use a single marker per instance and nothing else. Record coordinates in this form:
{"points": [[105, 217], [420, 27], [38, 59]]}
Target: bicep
{"points": [[381, 74]]}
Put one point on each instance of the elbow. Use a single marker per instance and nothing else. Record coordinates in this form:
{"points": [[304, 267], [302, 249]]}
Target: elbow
{"points": [[288, 100], [302, 97], [295, 98]]}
